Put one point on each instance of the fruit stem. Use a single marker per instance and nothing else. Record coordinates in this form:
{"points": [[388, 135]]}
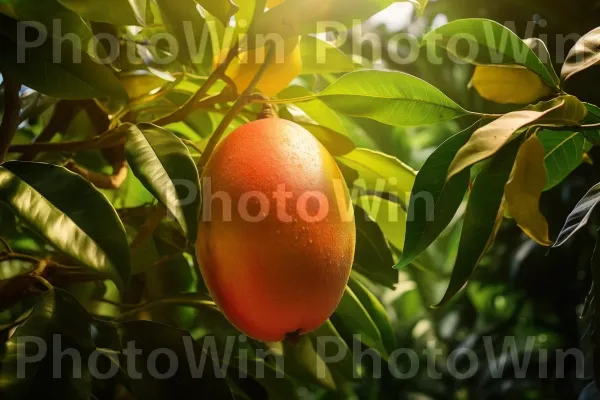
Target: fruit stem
{"points": [[238, 106], [268, 110], [293, 337]]}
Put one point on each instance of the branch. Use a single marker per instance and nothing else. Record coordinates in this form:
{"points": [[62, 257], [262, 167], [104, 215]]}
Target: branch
{"points": [[104, 141], [190, 105], [147, 230], [102, 181], [63, 114], [10, 119], [240, 103]]}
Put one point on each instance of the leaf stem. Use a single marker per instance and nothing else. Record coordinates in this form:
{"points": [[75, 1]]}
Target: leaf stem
{"points": [[147, 230], [5, 244], [243, 100], [263, 100], [10, 118], [195, 301], [484, 115]]}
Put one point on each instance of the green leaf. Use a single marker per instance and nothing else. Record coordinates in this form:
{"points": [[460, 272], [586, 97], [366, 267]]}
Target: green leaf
{"points": [[184, 21], [572, 112], [380, 174], [393, 98], [564, 152], [376, 310], [354, 318], [117, 12], [315, 109], [583, 55], [245, 15], [39, 71], [434, 200], [222, 9], [302, 357], [13, 268], [579, 217], [327, 333], [321, 57], [541, 50], [71, 214], [185, 380], [295, 17], [389, 215], [486, 42], [481, 216], [164, 165], [373, 256], [336, 143], [140, 9], [56, 313], [488, 140]]}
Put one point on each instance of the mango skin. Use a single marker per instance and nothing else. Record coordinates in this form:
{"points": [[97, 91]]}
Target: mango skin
{"points": [[273, 278]]}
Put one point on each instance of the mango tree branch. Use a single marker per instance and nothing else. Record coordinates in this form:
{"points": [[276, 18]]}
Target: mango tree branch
{"points": [[238, 106], [10, 119], [106, 140], [190, 105]]}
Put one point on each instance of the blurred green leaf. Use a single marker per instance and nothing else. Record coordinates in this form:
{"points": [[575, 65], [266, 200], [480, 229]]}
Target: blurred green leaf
{"points": [[481, 217], [197, 378], [373, 256], [336, 143], [376, 310], [327, 334], [140, 9], [117, 12], [222, 9], [38, 70], [494, 43], [321, 57], [380, 174], [164, 165], [71, 214], [427, 221], [303, 357], [393, 98], [184, 21], [56, 313], [315, 109], [295, 17], [12, 268], [356, 319]]}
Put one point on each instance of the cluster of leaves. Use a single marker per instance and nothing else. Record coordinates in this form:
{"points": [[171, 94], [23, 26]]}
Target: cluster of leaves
{"points": [[87, 252]]}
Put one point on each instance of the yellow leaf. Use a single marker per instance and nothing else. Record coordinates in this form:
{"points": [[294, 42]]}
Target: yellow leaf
{"points": [[509, 84], [486, 141], [273, 3], [285, 66], [524, 189], [140, 85]]}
